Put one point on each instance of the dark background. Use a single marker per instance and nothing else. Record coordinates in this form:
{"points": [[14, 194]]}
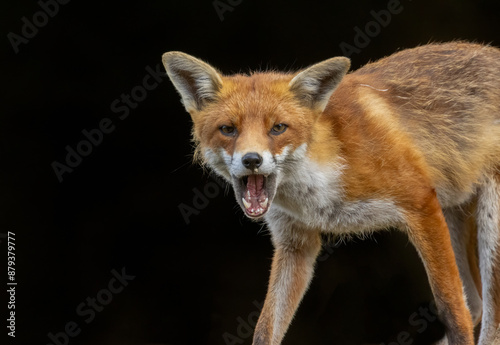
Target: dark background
{"points": [[119, 208]]}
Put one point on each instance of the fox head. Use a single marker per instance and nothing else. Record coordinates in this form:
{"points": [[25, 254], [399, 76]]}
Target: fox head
{"points": [[253, 129]]}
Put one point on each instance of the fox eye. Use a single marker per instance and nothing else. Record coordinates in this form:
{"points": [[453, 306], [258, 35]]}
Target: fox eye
{"points": [[228, 130], [278, 129]]}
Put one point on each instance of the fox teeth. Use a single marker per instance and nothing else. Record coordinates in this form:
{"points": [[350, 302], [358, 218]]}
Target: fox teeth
{"points": [[246, 203], [264, 203]]}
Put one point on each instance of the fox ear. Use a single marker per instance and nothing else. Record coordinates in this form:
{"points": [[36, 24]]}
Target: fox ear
{"points": [[314, 85], [196, 81]]}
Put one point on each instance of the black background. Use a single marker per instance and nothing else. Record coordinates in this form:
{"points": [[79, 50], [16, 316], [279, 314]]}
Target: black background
{"points": [[119, 208]]}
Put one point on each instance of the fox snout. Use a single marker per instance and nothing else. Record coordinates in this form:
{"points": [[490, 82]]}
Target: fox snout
{"points": [[252, 161]]}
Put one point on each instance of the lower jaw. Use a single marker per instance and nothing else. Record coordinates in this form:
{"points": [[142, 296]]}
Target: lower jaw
{"points": [[255, 216]]}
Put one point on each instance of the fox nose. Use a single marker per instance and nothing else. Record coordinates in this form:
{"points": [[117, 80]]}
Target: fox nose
{"points": [[252, 160]]}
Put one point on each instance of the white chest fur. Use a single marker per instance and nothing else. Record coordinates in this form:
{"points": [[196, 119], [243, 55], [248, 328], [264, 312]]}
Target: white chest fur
{"points": [[311, 195]]}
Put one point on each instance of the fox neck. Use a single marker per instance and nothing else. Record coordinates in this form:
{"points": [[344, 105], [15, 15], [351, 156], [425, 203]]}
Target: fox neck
{"points": [[315, 196], [312, 183]]}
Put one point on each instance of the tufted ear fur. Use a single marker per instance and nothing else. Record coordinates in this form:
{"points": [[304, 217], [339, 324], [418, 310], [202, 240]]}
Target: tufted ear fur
{"points": [[196, 81], [314, 85]]}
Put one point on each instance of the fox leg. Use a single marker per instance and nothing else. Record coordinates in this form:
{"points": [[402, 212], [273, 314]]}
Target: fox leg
{"points": [[291, 273], [461, 234], [430, 236], [488, 219]]}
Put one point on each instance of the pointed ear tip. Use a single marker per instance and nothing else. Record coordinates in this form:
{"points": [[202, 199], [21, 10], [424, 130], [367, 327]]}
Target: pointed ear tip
{"points": [[170, 55], [337, 63], [344, 60]]}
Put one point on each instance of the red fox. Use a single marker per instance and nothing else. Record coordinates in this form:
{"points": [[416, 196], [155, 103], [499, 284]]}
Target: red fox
{"points": [[411, 142]]}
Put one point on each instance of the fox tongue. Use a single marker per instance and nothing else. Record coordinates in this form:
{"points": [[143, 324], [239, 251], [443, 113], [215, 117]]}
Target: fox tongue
{"points": [[255, 198], [255, 184]]}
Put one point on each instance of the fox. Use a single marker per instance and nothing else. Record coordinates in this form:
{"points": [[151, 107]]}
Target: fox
{"points": [[408, 142]]}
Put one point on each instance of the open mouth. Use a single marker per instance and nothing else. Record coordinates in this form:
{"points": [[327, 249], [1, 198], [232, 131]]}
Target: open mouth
{"points": [[255, 192]]}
